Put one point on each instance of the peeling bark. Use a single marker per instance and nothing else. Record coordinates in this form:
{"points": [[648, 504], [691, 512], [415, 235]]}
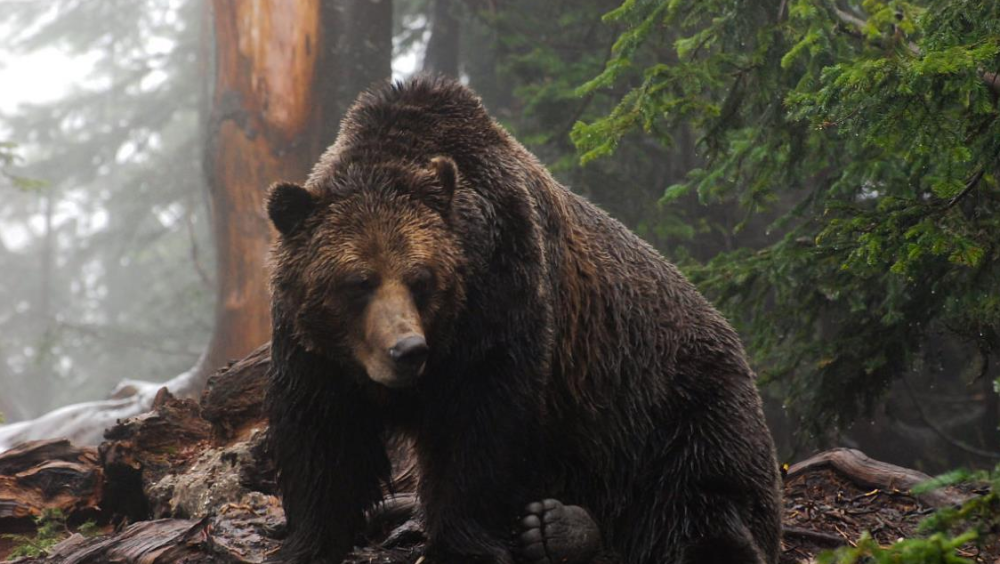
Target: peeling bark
{"points": [[261, 130], [43, 475]]}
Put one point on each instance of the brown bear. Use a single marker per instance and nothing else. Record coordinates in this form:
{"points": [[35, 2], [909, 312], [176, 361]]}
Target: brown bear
{"points": [[432, 279]]}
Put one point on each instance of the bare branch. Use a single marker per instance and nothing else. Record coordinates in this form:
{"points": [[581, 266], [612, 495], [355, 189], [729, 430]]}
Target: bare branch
{"points": [[969, 186], [962, 445]]}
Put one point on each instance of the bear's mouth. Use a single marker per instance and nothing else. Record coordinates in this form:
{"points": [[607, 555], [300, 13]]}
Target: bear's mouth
{"points": [[398, 366], [406, 379], [391, 375]]}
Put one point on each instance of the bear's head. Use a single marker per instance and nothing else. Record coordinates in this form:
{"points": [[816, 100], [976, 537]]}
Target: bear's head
{"points": [[367, 270]]}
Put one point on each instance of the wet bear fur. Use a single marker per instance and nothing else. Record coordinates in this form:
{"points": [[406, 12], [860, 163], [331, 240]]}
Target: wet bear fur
{"points": [[567, 358]]}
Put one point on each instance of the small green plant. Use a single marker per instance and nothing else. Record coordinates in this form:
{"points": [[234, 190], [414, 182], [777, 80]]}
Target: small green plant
{"points": [[50, 529], [948, 532], [8, 160], [88, 529]]}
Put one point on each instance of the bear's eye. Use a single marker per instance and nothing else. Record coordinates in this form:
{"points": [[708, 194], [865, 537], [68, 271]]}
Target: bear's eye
{"points": [[421, 281], [359, 283]]}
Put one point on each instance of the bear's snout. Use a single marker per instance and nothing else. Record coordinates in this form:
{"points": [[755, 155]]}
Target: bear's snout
{"points": [[410, 354], [394, 350]]}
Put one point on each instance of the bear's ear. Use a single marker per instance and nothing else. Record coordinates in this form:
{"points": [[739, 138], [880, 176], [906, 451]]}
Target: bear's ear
{"points": [[288, 205], [446, 172]]}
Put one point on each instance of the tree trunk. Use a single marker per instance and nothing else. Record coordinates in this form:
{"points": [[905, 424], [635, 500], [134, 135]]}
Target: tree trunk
{"points": [[358, 57], [482, 51], [260, 131], [442, 49]]}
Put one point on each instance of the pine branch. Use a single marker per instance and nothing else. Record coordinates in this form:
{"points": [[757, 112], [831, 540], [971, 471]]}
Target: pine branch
{"points": [[991, 79]]}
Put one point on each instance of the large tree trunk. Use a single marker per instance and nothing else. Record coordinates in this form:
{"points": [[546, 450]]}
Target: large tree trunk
{"points": [[285, 73], [443, 47], [360, 56], [262, 129], [481, 53]]}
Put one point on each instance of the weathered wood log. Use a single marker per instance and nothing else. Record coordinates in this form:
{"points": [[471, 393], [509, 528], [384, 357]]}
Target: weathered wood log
{"points": [[193, 541], [867, 472], [84, 423], [139, 452], [834, 497], [166, 540], [233, 399], [181, 465], [40, 475], [173, 429]]}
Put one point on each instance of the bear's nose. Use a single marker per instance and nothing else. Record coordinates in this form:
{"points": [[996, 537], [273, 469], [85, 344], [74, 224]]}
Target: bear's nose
{"points": [[410, 352]]}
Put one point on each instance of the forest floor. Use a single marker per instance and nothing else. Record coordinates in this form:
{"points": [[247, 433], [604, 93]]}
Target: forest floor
{"points": [[840, 509], [190, 482]]}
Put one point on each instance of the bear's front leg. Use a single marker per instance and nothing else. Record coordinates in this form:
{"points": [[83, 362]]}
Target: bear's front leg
{"points": [[328, 450], [480, 464]]}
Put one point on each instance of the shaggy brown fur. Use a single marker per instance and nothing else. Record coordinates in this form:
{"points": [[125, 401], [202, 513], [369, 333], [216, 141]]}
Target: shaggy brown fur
{"points": [[541, 351]]}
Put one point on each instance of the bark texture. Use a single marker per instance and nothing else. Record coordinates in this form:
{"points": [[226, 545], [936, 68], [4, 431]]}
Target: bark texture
{"points": [[262, 129], [42, 475]]}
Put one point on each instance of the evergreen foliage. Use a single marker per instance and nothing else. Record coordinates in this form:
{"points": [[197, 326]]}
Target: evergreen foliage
{"points": [[868, 131]]}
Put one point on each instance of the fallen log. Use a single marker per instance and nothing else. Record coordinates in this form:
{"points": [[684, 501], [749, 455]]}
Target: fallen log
{"points": [[84, 423], [833, 497], [49, 475], [170, 540], [870, 473], [233, 399]]}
